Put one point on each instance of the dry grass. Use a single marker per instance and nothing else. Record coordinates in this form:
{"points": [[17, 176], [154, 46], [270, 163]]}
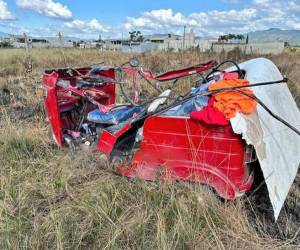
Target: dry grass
{"points": [[52, 199]]}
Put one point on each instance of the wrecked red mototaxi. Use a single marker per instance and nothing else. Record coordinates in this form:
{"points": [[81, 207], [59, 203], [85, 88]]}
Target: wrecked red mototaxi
{"points": [[209, 135]]}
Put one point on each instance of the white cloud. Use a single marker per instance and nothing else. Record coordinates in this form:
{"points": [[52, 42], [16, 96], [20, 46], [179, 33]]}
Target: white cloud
{"points": [[280, 7], [158, 19], [258, 15], [278, 13], [231, 18], [46, 7], [5, 14], [212, 22], [80, 26]]}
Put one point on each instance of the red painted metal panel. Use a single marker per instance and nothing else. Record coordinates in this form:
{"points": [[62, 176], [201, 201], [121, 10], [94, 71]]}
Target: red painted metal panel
{"points": [[171, 75], [107, 140], [52, 107], [183, 149]]}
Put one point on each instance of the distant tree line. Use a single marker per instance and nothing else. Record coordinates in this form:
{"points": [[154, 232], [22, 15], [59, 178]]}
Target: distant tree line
{"points": [[229, 37], [135, 36], [5, 44]]}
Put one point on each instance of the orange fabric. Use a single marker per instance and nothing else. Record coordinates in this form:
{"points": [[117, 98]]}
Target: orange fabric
{"points": [[231, 102]]}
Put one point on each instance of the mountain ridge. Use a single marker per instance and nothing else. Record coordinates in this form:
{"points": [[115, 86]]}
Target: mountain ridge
{"points": [[275, 34]]}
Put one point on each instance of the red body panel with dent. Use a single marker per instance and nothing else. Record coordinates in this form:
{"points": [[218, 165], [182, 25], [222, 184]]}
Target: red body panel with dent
{"points": [[183, 149]]}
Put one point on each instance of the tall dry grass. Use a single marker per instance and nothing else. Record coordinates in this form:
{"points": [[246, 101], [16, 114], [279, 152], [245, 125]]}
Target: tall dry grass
{"points": [[50, 198]]}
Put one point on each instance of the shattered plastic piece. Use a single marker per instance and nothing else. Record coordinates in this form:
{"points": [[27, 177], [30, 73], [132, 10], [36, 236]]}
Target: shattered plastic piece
{"points": [[159, 101]]}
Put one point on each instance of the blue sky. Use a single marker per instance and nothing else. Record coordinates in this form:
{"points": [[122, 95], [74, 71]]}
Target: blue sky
{"points": [[90, 18]]}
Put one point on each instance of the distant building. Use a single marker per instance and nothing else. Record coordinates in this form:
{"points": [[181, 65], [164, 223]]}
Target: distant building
{"points": [[188, 40], [18, 41], [156, 42], [204, 44], [172, 41], [54, 42], [250, 48], [90, 44], [162, 38]]}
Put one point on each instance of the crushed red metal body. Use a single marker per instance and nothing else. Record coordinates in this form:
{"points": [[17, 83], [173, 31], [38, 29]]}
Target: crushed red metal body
{"points": [[172, 148]]}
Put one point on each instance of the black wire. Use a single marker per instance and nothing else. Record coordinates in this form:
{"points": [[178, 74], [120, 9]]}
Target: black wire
{"points": [[269, 111], [249, 86], [235, 64], [205, 93], [174, 83], [125, 94], [216, 69], [123, 89], [234, 89], [149, 82], [210, 92]]}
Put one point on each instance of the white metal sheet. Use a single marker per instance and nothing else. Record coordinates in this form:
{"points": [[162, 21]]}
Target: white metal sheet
{"points": [[277, 147]]}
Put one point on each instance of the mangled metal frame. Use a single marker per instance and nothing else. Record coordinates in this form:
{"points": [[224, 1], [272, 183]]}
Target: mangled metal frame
{"points": [[277, 147]]}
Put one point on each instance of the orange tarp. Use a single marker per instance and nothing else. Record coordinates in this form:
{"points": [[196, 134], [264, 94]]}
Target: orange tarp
{"points": [[231, 102]]}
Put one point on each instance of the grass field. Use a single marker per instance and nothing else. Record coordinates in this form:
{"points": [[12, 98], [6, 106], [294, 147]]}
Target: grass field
{"points": [[50, 198]]}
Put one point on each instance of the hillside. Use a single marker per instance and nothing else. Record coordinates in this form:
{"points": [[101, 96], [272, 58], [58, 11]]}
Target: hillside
{"points": [[271, 35]]}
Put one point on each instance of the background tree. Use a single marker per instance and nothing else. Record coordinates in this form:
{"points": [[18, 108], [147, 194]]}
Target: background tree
{"points": [[223, 38], [135, 36], [231, 36], [226, 38], [240, 37], [5, 44]]}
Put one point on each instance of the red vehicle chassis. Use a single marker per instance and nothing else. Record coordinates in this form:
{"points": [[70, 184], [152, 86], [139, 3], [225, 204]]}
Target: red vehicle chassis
{"points": [[172, 148]]}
